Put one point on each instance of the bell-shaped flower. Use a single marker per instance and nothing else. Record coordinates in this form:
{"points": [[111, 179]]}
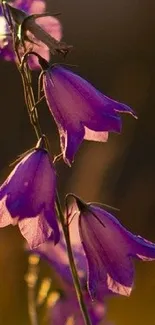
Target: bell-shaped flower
{"points": [[27, 198], [109, 250], [80, 110], [49, 24]]}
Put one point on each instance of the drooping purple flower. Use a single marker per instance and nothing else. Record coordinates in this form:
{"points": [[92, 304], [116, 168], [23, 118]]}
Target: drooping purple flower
{"points": [[49, 24], [109, 249], [80, 110], [27, 197]]}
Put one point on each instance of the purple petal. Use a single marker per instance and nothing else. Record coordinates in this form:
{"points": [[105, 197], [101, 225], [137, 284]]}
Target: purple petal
{"points": [[142, 248], [29, 185], [29, 192], [35, 230], [70, 142], [109, 248], [121, 108], [79, 110]]}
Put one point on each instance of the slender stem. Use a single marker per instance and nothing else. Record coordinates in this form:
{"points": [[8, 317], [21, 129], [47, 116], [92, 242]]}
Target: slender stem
{"points": [[75, 277], [29, 98], [31, 103], [28, 91]]}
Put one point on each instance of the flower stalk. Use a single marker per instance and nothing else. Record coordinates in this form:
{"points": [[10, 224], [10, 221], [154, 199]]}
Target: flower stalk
{"points": [[26, 77], [29, 96]]}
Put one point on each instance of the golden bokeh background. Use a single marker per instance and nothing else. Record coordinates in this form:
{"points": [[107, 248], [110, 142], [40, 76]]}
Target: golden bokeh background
{"points": [[114, 48]]}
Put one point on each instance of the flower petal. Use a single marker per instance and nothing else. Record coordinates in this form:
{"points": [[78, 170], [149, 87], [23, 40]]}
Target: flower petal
{"points": [[120, 108], [18, 182], [35, 230], [95, 136], [5, 217], [142, 248], [30, 185], [69, 143]]}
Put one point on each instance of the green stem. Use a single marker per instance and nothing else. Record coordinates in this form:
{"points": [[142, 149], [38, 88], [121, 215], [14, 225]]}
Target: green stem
{"points": [[32, 110], [28, 93], [75, 277]]}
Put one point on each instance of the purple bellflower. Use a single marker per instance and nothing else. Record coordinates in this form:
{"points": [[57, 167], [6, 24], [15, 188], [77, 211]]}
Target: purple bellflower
{"points": [[27, 198], [49, 24], [80, 111], [109, 250]]}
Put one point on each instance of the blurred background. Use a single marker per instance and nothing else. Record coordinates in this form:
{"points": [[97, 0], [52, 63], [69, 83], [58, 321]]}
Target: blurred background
{"points": [[114, 48]]}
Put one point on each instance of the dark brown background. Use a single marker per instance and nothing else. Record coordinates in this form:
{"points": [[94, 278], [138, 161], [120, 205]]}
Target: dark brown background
{"points": [[114, 47]]}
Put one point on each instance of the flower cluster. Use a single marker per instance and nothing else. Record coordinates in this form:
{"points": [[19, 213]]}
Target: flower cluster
{"points": [[29, 196]]}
